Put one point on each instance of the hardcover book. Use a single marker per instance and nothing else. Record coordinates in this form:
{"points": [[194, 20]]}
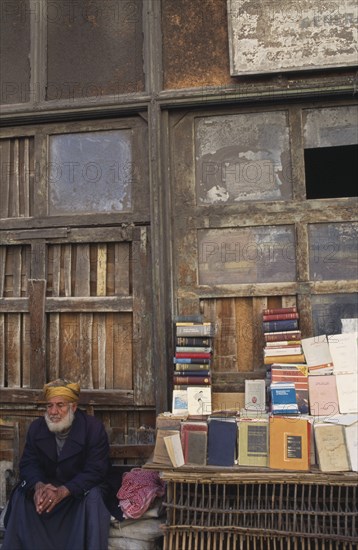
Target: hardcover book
{"points": [[222, 439], [174, 449], [282, 350], [187, 380], [279, 326], [191, 367], [160, 455], [192, 355], [253, 442], [283, 398], [194, 442], [193, 349], [199, 400], [255, 395], [296, 374], [323, 397], [318, 357], [282, 335], [331, 447], [279, 316], [277, 310], [193, 341], [291, 448], [190, 360], [194, 329], [269, 359]]}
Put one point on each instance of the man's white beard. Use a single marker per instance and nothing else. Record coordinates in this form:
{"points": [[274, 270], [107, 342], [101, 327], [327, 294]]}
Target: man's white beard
{"points": [[61, 425]]}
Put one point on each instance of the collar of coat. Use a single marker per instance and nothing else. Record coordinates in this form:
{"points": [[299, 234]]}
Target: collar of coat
{"points": [[75, 441]]}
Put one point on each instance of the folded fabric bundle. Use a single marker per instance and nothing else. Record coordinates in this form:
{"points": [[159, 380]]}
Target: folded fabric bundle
{"points": [[138, 490]]}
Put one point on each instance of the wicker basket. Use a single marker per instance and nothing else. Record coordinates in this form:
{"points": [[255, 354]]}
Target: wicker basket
{"points": [[308, 512]]}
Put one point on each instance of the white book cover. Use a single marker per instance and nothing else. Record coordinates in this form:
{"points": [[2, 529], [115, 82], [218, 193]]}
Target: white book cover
{"points": [[199, 400], [344, 352], [255, 395], [352, 445], [180, 402], [347, 389], [317, 354], [175, 450]]}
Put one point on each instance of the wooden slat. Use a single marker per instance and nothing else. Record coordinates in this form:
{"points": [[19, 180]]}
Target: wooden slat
{"points": [[13, 355], [37, 291], [92, 303], [85, 349], [121, 264], [108, 398], [67, 269], [53, 347], [26, 351], [226, 340], [14, 305], [258, 304], [3, 251], [101, 270], [70, 365], [2, 350], [82, 273], [101, 350], [122, 353], [109, 351], [14, 180], [26, 178], [16, 274], [5, 178]]}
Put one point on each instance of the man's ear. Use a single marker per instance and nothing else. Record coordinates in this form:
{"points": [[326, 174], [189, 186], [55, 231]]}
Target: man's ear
{"points": [[74, 407]]}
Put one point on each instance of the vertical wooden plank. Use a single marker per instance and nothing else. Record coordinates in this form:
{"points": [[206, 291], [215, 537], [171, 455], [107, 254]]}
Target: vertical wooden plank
{"points": [[226, 339], [5, 177], [13, 354], [3, 250], [53, 340], [245, 334], [122, 271], [14, 181], [67, 270], [26, 178], [25, 268], [37, 292], [101, 270], [17, 269], [122, 352], [82, 270], [258, 305], [85, 348], [109, 350], [38, 260], [26, 351], [143, 374], [70, 365], [2, 350], [101, 347]]}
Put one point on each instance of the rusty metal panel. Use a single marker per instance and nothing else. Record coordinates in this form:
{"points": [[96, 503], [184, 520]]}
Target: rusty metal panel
{"points": [[195, 43], [246, 255], [333, 251], [15, 51], [284, 35], [90, 172], [94, 48], [330, 126], [243, 157]]}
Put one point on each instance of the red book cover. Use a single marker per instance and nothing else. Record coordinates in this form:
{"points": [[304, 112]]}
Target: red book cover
{"points": [[274, 311], [279, 316], [192, 453], [285, 335]]}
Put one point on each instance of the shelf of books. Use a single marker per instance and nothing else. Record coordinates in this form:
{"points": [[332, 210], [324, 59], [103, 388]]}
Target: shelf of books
{"points": [[293, 441]]}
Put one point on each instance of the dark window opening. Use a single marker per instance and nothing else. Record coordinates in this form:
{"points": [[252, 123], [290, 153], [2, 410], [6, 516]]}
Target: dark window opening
{"points": [[331, 172]]}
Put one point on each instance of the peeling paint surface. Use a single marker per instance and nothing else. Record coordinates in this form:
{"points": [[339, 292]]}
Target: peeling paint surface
{"points": [[331, 126], [242, 157], [286, 35]]}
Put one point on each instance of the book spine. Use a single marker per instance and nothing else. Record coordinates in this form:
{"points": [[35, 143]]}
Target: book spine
{"points": [[192, 341], [197, 367], [192, 373], [268, 360], [194, 330], [280, 316], [193, 380], [199, 360], [279, 326], [286, 350], [283, 343], [278, 310], [283, 335], [192, 349], [193, 323], [188, 355]]}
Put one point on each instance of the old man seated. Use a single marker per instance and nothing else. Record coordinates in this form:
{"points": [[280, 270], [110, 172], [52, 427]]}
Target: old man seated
{"points": [[58, 504]]}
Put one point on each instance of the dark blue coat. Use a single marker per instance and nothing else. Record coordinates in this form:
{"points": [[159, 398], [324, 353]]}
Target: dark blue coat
{"points": [[83, 462]]}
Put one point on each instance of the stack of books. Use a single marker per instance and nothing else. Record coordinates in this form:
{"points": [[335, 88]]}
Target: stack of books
{"points": [[193, 354], [282, 336]]}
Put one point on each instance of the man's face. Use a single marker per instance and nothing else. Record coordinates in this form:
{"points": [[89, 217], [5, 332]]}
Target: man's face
{"points": [[59, 414]]}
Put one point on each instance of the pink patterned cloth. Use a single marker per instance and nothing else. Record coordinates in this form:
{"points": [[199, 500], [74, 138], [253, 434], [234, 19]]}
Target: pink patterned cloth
{"points": [[138, 490]]}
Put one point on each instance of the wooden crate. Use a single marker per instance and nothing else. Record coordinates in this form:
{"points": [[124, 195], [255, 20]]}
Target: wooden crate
{"points": [[261, 511]]}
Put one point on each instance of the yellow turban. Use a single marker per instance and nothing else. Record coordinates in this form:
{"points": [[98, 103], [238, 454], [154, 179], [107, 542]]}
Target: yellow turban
{"points": [[69, 390]]}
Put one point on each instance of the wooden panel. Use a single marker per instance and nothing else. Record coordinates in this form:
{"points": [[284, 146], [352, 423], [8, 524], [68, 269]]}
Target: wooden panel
{"points": [[101, 270], [13, 354], [123, 349], [29, 397], [2, 350], [3, 250], [37, 291], [17, 174], [26, 351], [82, 270]]}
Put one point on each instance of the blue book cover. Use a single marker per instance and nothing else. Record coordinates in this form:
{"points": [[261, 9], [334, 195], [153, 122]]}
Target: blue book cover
{"points": [[279, 326], [283, 398], [222, 438]]}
